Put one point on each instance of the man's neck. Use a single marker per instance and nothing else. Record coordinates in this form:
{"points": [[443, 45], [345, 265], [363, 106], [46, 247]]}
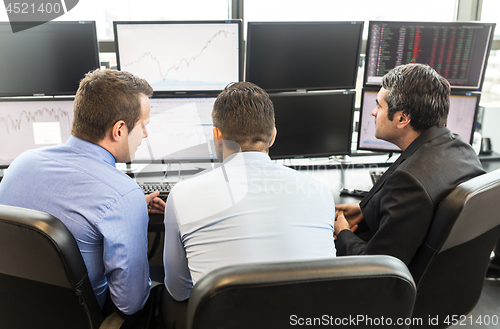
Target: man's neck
{"points": [[407, 139]]}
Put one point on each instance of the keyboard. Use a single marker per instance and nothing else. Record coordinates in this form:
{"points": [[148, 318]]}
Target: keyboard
{"points": [[354, 193], [163, 187]]}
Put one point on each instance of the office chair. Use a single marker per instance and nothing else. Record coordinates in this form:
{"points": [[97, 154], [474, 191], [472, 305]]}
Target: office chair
{"points": [[449, 268], [43, 279], [347, 291], [44, 282]]}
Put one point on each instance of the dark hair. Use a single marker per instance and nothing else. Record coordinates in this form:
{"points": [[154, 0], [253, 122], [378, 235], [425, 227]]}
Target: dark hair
{"points": [[104, 98], [244, 113], [420, 92]]}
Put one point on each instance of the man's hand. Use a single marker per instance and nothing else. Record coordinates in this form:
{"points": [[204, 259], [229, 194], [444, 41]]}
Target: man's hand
{"points": [[155, 204], [347, 217], [341, 223], [351, 211]]}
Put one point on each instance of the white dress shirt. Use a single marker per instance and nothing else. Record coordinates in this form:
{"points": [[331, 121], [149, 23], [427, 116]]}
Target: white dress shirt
{"points": [[247, 210]]}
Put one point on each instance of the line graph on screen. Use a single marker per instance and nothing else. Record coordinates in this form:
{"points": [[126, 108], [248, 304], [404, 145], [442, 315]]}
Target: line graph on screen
{"points": [[178, 128], [186, 57], [32, 124], [14, 123]]}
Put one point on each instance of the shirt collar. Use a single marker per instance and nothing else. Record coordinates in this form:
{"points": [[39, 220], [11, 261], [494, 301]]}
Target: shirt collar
{"points": [[247, 156], [426, 136], [91, 148]]}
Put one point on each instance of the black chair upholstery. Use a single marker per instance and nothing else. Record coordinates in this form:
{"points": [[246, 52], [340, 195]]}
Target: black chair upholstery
{"points": [[43, 279], [282, 295], [450, 267]]}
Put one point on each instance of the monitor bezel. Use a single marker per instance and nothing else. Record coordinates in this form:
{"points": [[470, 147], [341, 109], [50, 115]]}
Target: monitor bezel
{"points": [[277, 90], [56, 93], [33, 99], [477, 95], [351, 93], [185, 93], [453, 88]]}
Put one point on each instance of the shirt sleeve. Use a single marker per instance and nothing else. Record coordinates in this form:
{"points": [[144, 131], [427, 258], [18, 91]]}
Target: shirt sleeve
{"points": [[177, 275], [124, 229]]}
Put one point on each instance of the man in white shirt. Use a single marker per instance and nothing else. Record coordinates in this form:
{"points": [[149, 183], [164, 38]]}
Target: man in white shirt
{"points": [[247, 210]]}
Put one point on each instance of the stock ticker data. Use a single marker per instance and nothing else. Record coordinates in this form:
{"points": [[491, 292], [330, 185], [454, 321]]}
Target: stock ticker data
{"points": [[457, 51]]}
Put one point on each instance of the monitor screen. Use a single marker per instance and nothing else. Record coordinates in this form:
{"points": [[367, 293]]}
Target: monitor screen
{"points": [[313, 124], [180, 130], [28, 124], [49, 59], [181, 57], [303, 55], [461, 120], [458, 51]]}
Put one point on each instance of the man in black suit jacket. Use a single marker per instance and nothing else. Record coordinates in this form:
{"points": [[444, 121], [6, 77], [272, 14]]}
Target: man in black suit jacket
{"points": [[411, 112]]}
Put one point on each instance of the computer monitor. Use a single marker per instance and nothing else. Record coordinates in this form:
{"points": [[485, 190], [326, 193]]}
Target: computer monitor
{"points": [[27, 124], [49, 59], [284, 56], [458, 51], [313, 124], [179, 57], [180, 130], [461, 120]]}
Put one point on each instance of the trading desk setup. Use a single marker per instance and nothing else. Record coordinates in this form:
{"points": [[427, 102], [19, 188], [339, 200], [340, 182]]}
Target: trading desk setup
{"points": [[309, 70], [355, 176], [311, 83], [344, 179], [348, 178]]}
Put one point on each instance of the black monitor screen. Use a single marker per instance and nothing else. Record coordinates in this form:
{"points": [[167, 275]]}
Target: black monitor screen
{"points": [[180, 130], [29, 124], [49, 59], [458, 51], [303, 55], [461, 120], [313, 124], [181, 56]]}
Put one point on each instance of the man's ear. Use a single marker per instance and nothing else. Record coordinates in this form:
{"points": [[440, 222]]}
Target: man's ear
{"points": [[119, 131], [403, 120], [218, 139], [275, 132], [217, 134]]}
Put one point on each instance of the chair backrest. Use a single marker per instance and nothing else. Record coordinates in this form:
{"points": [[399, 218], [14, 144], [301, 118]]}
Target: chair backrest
{"points": [[449, 268], [43, 278], [347, 291]]}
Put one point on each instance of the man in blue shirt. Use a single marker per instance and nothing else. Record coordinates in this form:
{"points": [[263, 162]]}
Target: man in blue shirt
{"points": [[78, 183]]}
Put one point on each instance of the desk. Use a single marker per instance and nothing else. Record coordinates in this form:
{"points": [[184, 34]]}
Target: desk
{"points": [[490, 162], [336, 175]]}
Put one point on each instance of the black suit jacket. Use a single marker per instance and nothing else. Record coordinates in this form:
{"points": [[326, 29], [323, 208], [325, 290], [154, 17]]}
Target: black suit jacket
{"points": [[399, 208]]}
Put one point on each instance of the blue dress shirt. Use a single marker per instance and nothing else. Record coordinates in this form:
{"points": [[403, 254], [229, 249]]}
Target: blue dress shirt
{"points": [[106, 211]]}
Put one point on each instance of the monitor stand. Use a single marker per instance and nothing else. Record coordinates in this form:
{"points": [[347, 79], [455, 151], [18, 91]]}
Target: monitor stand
{"points": [[343, 159]]}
